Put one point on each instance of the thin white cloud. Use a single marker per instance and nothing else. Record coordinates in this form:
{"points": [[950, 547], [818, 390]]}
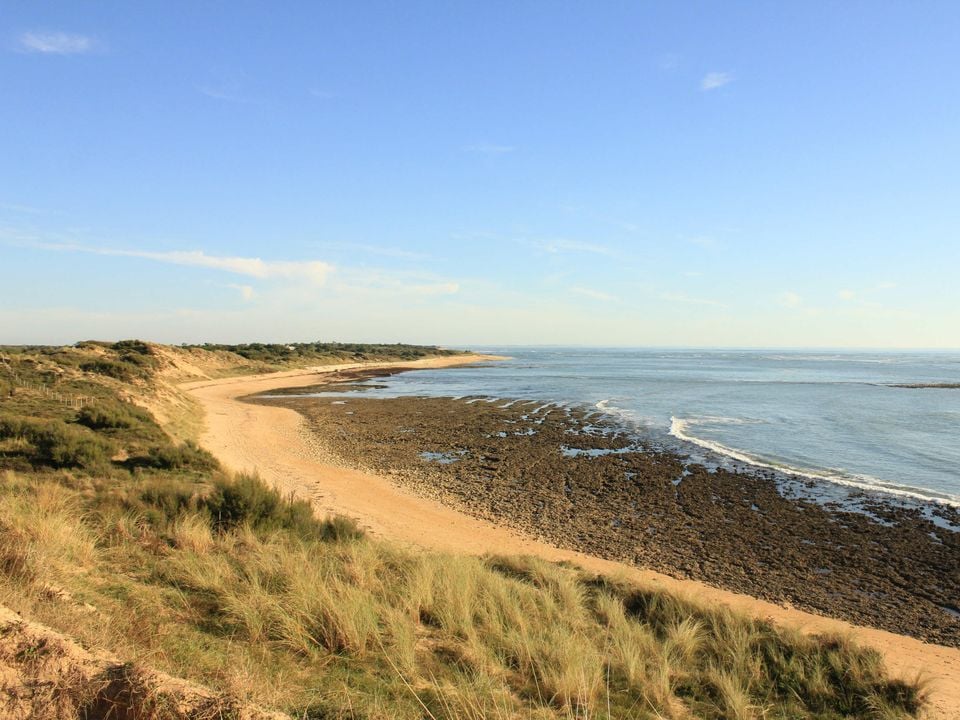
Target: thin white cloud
{"points": [[714, 80], [669, 61], [560, 245], [22, 209], [226, 90], [704, 241], [313, 271], [846, 295], [55, 43], [306, 277], [372, 250], [489, 149], [593, 294], [687, 300], [246, 291], [433, 289], [790, 299], [389, 283], [320, 94]]}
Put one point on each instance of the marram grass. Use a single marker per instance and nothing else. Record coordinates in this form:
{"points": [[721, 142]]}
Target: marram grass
{"points": [[325, 623]]}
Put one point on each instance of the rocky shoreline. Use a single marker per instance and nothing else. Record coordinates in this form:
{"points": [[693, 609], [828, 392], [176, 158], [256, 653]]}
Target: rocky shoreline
{"points": [[579, 480]]}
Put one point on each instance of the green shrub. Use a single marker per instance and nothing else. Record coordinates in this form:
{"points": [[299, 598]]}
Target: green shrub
{"points": [[57, 444], [110, 368], [166, 500], [101, 417], [97, 417], [15, 427], [248, 500], [138, 347], [63, 446], [181, 457]]}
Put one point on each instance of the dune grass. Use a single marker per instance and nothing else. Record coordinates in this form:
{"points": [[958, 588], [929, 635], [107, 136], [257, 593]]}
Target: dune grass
{"points": [[150, 551], [311, 617]]}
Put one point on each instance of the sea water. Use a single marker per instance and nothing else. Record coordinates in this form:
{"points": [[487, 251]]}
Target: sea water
{"points": [[834, 417]]}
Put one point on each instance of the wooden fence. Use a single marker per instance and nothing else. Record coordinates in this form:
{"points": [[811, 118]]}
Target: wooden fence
{"points": [[42, 389]]}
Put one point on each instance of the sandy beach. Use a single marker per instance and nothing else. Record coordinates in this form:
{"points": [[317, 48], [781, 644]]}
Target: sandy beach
{"points": [[278, 443]]}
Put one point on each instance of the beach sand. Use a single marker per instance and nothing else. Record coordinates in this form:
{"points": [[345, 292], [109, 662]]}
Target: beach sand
{"points": [[278, 443]]}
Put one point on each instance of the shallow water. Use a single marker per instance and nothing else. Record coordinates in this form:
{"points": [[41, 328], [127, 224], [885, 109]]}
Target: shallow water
{"points": [[829, 415]]}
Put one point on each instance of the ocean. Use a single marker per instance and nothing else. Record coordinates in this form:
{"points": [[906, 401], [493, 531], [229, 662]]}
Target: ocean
{"points": [[834, 418]]}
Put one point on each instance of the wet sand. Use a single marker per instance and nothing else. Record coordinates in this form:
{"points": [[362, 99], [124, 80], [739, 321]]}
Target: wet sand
{"points": [[312, 458]]}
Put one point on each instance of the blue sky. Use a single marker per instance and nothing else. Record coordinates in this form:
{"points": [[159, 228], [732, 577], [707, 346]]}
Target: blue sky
{"points": [[611, 173]]}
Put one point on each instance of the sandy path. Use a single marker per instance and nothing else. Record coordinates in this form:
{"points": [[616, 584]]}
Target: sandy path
{"points": [[276, 443]]}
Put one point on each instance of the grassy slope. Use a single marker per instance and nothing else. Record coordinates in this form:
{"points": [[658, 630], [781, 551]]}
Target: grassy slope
{"points": [[118, 536]]}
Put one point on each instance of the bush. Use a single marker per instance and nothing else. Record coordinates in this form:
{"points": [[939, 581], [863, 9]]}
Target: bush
{"points": [[248, 500], [14, 427], [57, 444], [110, 368], [63, 446], [167, 500], [132, 346], [102, 417], [181, 457]]}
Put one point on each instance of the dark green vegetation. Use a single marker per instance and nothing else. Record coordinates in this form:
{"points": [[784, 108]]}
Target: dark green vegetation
{"points": [[928, 386], [117, 535], [321, 353]]}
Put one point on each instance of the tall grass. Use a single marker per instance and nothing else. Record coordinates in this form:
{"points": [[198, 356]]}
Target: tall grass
{"points": [[361, 628]]}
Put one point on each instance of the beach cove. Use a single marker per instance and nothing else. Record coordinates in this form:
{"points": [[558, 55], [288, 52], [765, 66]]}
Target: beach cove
{"points": [[281, 445]]}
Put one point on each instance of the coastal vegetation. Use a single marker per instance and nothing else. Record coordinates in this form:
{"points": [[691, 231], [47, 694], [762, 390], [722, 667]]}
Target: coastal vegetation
{"points": [[140, 545], [278, 354]]}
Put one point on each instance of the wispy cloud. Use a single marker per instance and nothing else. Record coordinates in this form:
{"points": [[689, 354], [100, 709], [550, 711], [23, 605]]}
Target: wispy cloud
{"points": [[714, 80], [320, 94], [561, 245], [489, 149], [688, 300], [669, 61], [223, 93], [704, 241], [313, 271], [55, 43], [225, 88], [789, 299], [846, 295], [384, 283], [432, 289], [593, 294], [305, 278], [246, 291], [372, 250], [22, 209]]}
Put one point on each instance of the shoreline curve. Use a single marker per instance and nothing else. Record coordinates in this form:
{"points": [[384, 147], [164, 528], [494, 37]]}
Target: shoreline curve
{"points": [[275, 443]]}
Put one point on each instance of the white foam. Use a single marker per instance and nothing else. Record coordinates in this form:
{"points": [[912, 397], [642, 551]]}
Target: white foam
{"points": [[636, 421], [680, 429]]}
